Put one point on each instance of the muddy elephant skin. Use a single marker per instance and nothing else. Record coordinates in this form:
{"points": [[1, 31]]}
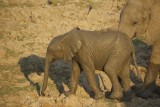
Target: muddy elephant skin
{"points": [[91, 50]]}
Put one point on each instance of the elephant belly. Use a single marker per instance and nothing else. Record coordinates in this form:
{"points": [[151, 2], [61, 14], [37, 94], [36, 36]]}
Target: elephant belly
{"points": [[100, 63], [100, 59], [99, 66]]}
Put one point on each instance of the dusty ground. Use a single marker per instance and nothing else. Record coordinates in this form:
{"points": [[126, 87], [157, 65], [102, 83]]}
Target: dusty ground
{"points": [[26, 28]]}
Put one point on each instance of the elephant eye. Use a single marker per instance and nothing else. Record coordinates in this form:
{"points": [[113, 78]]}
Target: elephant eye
{"points": [[135, 22]]}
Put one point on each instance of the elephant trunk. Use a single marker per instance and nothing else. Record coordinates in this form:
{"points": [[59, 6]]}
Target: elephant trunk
{"points": [[47, 62]]}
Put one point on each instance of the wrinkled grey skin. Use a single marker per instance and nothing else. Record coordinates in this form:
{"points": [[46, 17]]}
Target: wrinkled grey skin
{"points": [[91, 50], [142, 18]]}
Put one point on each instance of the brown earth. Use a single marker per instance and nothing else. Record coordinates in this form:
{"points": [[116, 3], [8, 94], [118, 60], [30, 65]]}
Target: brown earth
{"points": [[26, 28]]}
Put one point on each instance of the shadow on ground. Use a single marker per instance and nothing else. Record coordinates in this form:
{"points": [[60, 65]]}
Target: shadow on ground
{"points": [[32, 64], [143, 52], [59, 72]]}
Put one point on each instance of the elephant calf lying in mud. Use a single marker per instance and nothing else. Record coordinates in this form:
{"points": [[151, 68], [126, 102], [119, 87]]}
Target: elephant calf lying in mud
{"points": [[109, 51]]}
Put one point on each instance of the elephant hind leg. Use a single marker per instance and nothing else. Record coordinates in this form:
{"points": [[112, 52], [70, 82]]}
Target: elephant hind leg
{"points": [[116, 87], [124, 75], [111, 68]]}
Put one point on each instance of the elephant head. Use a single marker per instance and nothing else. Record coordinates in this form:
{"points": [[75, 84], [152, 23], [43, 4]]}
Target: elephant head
{"points": [[61, 47], [135, 17], [141, 18]]}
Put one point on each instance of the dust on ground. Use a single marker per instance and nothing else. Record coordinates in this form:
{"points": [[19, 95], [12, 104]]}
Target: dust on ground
{"points": [[26, 28]]}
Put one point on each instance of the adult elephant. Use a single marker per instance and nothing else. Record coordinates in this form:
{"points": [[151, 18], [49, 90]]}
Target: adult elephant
{"points": [[142, 18]]}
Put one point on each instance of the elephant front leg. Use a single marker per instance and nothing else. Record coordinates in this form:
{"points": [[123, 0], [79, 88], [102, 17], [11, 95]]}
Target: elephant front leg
{"points": [[74, 78], [154, 65], [90, 74], [152, 72]]}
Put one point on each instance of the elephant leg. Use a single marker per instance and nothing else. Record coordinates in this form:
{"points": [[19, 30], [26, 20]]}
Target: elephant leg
{"points": [[90, 74], [151, 75], [154, 64], [110, 69], [74, 78], [116, 87], [125, 81], [152, 72]]}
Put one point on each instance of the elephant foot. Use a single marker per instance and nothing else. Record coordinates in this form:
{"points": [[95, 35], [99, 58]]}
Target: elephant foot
{"points": [[68, 93], [145, 93], [99, 96], [127, 96], [116, 95]]}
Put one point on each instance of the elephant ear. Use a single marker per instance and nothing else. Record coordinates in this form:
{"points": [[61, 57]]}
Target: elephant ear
{"points": [[70, 44]]}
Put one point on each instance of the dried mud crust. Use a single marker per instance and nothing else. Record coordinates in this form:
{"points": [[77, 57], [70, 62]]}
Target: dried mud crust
{"points": [[26, 28]]}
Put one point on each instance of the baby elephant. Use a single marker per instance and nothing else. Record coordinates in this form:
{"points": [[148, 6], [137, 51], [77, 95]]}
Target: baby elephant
{"points": [[108, 51]]}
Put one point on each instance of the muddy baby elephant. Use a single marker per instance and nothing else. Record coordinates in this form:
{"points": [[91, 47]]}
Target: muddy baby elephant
{"points": [[109, 51]]}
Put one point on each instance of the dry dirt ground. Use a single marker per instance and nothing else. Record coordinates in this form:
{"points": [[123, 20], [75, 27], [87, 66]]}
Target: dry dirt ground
{"points": [[26, 28]]}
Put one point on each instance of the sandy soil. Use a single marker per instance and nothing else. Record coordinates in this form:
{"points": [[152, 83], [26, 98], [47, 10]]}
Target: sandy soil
{"points": [[26, 28]]}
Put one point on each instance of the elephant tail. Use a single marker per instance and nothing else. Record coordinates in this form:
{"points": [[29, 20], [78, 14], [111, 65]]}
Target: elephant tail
{"points": [[47, 62]]}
